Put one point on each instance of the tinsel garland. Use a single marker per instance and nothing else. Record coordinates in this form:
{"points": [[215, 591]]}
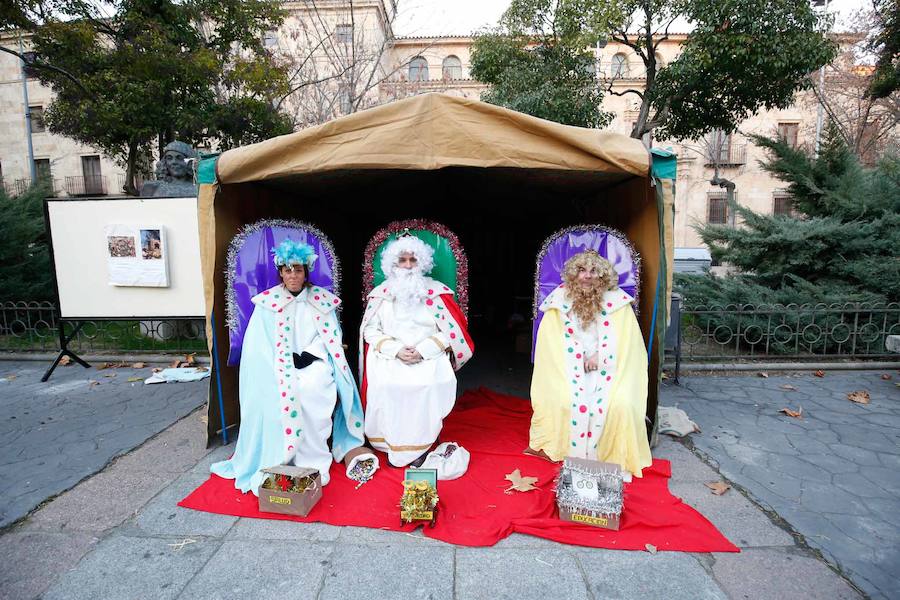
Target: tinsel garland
{"points": [[234, 247], [609, 499], [397, 227], [545, 247]]}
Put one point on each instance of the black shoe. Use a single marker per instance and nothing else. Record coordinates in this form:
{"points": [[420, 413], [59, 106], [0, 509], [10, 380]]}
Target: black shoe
{"points": [[418, 462]]}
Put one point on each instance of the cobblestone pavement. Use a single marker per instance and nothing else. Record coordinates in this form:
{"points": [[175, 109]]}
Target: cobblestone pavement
{"points": [[833, 474], [54, 434]]}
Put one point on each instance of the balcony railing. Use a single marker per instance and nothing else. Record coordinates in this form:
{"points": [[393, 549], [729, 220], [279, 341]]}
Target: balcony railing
{"points": [[93, 185], [733, 155], [17, 187]]}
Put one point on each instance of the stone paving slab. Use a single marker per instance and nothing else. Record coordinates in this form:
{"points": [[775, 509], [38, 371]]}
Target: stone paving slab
{"points": [[275, 569], [130, 568], [31, 560], [779, 573], [54, 434], [401, 572], [831, 474], [662, 576], [163, 516], [511, 574]]}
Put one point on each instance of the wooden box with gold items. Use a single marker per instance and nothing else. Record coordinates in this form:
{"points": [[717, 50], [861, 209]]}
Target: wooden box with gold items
{"points": [[290, 490], [590, 492], [420, 499]]}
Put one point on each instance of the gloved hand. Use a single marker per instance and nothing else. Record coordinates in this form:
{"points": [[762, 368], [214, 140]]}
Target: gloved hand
{"points": [[301, 361]]}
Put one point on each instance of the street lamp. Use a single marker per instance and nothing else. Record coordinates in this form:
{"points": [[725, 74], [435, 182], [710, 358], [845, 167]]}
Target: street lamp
{"points": [[821, 109]]}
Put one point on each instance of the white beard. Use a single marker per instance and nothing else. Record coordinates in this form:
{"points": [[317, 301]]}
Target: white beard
{"points": [[407, 286]]}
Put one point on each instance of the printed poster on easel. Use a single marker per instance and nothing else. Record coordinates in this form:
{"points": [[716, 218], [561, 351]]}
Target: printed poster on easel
{"points": [[137, 256]]}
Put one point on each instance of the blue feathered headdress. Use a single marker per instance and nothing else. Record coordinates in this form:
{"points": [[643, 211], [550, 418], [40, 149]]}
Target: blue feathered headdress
{"points": [[290, 252]]}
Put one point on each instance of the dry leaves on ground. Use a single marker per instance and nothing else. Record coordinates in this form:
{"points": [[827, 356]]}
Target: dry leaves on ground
{"points": [[92, 383], [788, 387], [718, 487], [650, 548], [112, 365], [10, 377], [188, 361], [886, 376], [109, 374], [133, 379], [761, 374], [520, 483], [859, 396], [819, 373], [64, 361], [138, 365], [797, 414]]}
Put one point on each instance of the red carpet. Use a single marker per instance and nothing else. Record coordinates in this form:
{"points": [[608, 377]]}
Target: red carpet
{"points": [[475, 511]]}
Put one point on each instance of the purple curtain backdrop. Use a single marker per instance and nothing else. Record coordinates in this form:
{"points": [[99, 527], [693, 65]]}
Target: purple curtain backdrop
{"points": [[610, 244], [254, 272]]}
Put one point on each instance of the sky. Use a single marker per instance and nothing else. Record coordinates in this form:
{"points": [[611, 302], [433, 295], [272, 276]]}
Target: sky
{"points": [[447, 17]]}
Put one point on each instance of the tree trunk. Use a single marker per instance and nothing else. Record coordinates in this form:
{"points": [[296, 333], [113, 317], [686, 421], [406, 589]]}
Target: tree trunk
{"points": [[130, 188]]}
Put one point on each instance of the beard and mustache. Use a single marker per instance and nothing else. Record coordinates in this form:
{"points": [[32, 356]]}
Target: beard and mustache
{"points": [[407, 286], [587, 300]]}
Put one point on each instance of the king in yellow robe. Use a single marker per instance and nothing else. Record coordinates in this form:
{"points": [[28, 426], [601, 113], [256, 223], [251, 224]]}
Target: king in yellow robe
{"points": [[589, 387]]}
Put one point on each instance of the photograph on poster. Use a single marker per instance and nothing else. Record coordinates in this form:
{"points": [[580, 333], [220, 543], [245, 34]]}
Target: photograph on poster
{"points": [[128, 268], [121, 246], [151, 244]]}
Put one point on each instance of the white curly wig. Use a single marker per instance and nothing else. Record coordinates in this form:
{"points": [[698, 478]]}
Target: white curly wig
{"points": [[411, 244]]}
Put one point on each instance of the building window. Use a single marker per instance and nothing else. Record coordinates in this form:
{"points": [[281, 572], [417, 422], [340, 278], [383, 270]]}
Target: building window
{"points": [[717, 208], [452, 68], [270, 40], [418, 69], [343, 34], [789, 132], [93, 179], [619, 66], [37, 119], [42, 169], [718, 147], [783, 205]]}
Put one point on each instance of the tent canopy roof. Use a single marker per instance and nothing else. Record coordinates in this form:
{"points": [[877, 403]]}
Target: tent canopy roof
{"points": [[435, 131]]}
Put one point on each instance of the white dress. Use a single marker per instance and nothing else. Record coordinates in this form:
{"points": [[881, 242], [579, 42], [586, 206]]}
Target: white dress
{"points": [[406, 404], [319, 391]]}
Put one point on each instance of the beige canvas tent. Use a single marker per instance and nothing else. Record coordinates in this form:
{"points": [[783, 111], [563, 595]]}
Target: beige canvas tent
{"points": [[501, 180]]}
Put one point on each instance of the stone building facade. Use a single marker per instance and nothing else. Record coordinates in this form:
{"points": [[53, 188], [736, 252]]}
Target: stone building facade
{"points": [[376, 67]]}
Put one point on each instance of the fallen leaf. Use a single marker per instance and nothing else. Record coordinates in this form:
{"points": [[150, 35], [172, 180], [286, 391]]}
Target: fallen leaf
{"points": [[202, 369], [664, 376], [819, 373], [105, 365], [788, 387], [520, 483], [859, 396], [174, 364], [157, 370], [138, 365], [761, 374], [109, 375], [718, 487], [797, 414], [886, 376], [189, 358], [650, 548], [133, 379], [11, 377], [204, 418], [92, 383], [65, 360]]}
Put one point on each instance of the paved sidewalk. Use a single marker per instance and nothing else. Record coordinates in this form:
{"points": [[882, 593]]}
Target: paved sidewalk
{"points": [[54, 434], [833, 475], [121, 535]]}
